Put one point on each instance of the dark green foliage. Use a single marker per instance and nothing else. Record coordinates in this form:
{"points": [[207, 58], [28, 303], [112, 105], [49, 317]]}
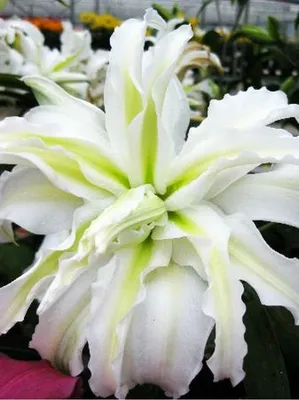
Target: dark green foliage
{"points": [[266, 375]]}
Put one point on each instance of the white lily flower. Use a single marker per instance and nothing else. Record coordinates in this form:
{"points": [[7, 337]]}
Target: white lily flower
{"points": [[194, 58], [75, 43], [11, 62], [155, 21], [26, 40], [96, 70], [147, 236]]}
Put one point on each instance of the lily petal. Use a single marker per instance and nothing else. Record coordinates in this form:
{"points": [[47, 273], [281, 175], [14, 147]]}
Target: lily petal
{"points": [[113, 302], [73, 41], [204, 227], [22, 143], [250, 109], [176, 113], [61, 332], [226, 177], [96, 160], [71, 263], [274, 277], [223, 303], [194, 172], [154, 20], [123, 85], [185, 254], [168, 333], [49, 93], [265, 196], [17, 296], [29, 29], [156, 143], [31, 201], [146, 144], [137, 208], [6, 232]]}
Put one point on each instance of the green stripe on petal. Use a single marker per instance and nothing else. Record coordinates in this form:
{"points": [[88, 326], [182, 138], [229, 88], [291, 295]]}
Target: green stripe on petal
{"points": [[60, 169], [149, 142], [133, 100], [205, 229], [93, 157], [113, 300], [65, 63], [16, 297], [236, 148], [184, 222], [168, 333], [275, 278], [90, 155], [189, 175], [261, 269], [130, 286]]}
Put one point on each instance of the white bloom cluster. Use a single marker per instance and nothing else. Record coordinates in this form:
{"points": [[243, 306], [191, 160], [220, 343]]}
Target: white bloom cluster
{"points": [[76, 67], [148, 236]]}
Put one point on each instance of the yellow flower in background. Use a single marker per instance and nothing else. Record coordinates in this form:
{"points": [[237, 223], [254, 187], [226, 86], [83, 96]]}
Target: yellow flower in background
{"points": [[193, 21], [87, 17], [96, 21]]}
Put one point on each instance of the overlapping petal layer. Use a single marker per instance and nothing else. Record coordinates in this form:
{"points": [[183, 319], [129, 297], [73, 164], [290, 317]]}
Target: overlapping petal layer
{"points": [[148, 236]]}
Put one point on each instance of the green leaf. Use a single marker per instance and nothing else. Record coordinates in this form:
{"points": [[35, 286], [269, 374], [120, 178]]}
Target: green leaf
{"points": [[12, 81], [296, 22], [212, 39], [164, 13], [13, 89], [146, 391], [288, 336], [287, 333], [13, 260], [175, 9], [266, 375], [3, 4], [288, 84], [273, 28], [255, 33]]}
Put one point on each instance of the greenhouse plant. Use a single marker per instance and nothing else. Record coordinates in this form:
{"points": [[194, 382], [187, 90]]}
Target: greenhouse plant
{"points": [[149, 199]]}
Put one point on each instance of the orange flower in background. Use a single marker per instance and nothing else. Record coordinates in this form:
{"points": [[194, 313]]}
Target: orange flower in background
{"points": [[49, 24]]}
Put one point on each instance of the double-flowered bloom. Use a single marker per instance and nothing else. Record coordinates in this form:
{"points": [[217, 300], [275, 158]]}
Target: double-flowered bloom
{"points": [[148, 236], [75, 67]]}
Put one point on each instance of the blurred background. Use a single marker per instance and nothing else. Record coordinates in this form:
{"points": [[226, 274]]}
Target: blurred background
{"points": [[256, 13], [257, 41]]}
